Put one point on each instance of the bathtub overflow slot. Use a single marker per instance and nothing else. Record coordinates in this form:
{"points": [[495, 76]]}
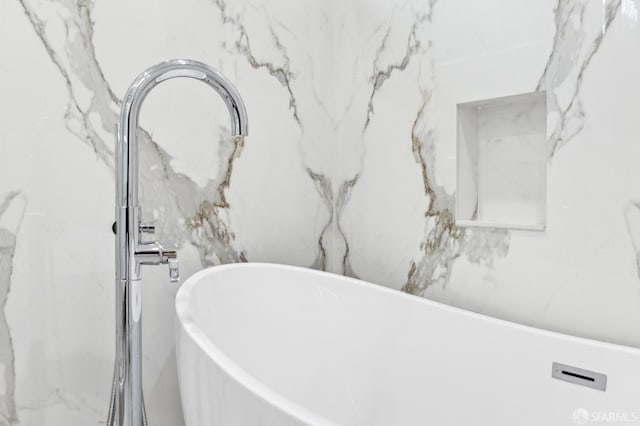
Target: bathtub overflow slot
{"points": [[579, 376]]}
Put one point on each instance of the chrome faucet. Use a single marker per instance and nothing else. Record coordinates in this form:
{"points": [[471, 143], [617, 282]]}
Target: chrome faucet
{"points": [[127, 405]]}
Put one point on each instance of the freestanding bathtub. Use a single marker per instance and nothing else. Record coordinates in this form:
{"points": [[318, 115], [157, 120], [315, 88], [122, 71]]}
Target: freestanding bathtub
{"points": [[263, 344]]}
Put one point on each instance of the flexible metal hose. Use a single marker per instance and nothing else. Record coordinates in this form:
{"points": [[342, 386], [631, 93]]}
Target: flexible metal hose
{"points": [[111, 414]]}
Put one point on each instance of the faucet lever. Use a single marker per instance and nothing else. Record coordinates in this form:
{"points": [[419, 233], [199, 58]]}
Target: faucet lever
{"points": [[156, 253], [174, 272], [170, 257]]}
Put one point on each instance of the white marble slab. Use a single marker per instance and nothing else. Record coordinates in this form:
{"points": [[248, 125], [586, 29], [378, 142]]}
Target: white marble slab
{"points": [[350, 167]]}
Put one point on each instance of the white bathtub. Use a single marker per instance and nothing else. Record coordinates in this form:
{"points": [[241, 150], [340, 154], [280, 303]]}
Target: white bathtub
{"points": [[262, 344]]}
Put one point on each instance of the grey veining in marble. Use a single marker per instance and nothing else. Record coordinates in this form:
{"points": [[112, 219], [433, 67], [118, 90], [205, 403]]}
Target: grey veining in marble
{"points": [[323, 186], [344, 194], [632, 218], [444, 242], [383, 71], [76, 62], [282, 71], [8, 412], [352, 105], [568, 57], [75, 59], [332, 233], [280, 68]]}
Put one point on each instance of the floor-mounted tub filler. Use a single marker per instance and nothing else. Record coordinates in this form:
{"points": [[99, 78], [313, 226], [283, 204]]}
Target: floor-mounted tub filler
{"points": [[126, 407], [262, 344]]}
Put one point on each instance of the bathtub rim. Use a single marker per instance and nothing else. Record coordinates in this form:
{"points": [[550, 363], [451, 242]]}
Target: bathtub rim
{"points": [[281, 402], [227, 365]]}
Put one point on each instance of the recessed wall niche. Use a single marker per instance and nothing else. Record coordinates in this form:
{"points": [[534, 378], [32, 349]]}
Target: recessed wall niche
{"points": [[502, 162]]}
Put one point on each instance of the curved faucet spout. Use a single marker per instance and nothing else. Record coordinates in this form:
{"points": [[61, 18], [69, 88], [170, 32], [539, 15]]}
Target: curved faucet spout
{"points": [[127, 407], [127, 150]]}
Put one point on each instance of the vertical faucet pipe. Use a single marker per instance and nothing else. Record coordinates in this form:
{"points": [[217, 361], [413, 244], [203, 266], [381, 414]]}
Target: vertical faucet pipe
{"points": [[130, 251]]}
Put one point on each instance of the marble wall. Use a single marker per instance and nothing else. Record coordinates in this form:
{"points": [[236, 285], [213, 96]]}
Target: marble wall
{"points": [[350, 167]]}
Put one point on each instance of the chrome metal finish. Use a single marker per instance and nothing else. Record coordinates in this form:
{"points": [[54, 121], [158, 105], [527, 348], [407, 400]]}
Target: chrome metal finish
{"points": [[148, 228], [131, 251], [174, 271], [579, 376]]}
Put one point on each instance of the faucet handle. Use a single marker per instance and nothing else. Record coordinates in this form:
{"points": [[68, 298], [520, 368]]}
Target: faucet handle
{"points": [[170, 257], [174, 271]]}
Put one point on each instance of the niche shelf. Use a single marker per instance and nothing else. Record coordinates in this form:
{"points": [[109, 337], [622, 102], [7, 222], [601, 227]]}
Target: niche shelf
{"points": [[502, 162]]}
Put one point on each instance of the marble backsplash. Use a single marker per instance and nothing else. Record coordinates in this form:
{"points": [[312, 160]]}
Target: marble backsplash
{"points": [[350, 167]]}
